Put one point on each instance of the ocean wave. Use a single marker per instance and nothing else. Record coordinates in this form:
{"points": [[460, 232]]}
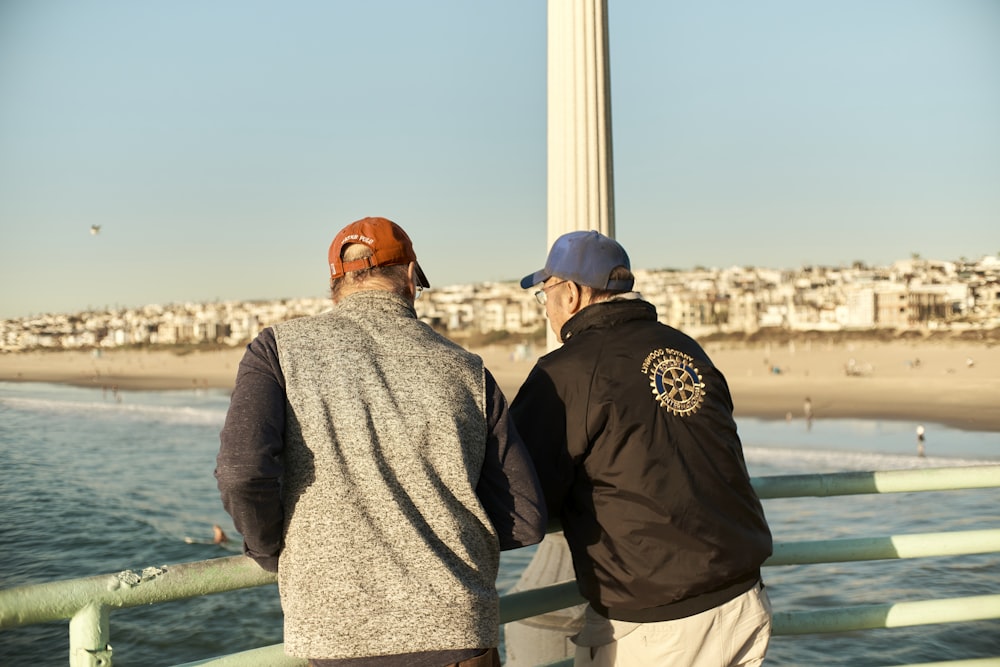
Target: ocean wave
{"points": [[174, 414], [815, 460]]}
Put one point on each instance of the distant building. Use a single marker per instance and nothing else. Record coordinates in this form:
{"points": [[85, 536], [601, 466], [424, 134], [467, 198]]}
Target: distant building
{"points": [[909, 294]]}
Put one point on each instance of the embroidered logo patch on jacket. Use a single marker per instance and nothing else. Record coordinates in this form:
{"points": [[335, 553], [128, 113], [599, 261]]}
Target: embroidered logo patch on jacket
{"points": [[675, 381]]}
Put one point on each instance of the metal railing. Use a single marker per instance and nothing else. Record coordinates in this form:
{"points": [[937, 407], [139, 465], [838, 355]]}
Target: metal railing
{"points": [[87, 602]]}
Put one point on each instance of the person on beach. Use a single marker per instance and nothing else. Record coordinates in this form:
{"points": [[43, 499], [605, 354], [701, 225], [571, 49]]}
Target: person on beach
{"points": [[373, 465], [631, 429]]}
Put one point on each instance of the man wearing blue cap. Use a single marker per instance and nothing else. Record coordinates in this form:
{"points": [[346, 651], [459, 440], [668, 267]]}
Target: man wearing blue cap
{"points": [[631, 429]]}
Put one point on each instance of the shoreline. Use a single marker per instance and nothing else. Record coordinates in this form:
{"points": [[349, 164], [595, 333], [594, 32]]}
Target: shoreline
{"points": [[951, 383], [922, 383]]}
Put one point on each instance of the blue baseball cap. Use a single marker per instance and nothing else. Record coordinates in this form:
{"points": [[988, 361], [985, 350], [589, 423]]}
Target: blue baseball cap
{"points": [[585, 258]]}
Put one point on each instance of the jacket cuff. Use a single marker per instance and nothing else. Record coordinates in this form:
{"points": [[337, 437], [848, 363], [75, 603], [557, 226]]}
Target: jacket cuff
{"points": [[269, 563]]}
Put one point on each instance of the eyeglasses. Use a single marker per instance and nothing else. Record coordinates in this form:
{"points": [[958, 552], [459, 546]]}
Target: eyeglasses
{"points": [[542, 295], [417, 292]]}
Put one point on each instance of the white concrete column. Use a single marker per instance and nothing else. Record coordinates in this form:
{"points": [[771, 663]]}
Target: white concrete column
{"points": [[580, 197], [580, 182]]}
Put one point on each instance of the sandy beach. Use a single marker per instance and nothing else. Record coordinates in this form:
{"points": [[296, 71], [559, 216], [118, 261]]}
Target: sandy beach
{"points": [[956, 384]]}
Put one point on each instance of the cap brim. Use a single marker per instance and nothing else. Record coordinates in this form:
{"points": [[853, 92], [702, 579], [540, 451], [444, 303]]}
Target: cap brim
{"points": [[538, 276], [421, 278]]}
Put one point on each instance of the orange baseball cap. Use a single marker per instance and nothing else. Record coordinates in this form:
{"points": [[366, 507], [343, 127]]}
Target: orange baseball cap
{"points": [[388, 242]]}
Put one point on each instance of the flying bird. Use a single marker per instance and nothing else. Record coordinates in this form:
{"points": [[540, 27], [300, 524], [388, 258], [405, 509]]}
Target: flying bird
{"points": [[95, 230]]}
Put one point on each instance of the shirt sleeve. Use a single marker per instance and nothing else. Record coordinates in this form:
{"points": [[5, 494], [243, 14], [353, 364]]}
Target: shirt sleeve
{"points": [[539, 415], [508, 485], [248, 467]]}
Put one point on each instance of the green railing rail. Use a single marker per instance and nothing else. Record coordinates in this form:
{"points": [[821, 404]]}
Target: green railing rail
{"points": [[87, 602]]}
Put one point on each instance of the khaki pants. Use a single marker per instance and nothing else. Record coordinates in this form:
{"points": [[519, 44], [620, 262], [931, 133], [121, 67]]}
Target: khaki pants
{"points": [[733, 634]]}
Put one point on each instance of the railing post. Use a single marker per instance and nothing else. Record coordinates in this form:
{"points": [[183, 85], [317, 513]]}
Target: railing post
{"points": [[89, 632]]}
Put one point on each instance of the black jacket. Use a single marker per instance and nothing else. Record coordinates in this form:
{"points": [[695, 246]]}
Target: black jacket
{"points": [[631, 430]]}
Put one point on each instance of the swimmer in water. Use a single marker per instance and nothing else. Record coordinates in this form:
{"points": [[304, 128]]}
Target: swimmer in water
{"points": [[219, 536]]}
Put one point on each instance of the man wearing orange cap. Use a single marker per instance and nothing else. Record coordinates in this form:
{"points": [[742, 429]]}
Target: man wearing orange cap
{"points": [[373, 465]]}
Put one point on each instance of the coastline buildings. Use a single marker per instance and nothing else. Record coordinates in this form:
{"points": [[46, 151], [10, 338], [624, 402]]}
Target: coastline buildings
{"points": [[914, 294]]}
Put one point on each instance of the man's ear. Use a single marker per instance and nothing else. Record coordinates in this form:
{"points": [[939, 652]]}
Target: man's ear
{"points": [[411, 274], [574, 297]]}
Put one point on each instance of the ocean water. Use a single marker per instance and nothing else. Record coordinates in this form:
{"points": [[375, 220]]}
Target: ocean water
{"points": [[95, 483]]}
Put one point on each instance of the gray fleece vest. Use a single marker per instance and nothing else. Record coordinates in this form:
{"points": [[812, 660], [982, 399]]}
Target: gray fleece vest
{"points": [[387, 547]]}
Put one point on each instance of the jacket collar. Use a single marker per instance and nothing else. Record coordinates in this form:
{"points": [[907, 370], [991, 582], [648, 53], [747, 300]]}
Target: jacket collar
{"points": [[602, 314], [376, 301]]}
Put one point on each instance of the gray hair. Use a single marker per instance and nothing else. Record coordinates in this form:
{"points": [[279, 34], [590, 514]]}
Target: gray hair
{"points": [[388, 278], [618, 273]]}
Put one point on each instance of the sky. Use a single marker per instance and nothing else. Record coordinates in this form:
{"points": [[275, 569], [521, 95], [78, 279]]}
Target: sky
{"points": [[221, 145]]}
